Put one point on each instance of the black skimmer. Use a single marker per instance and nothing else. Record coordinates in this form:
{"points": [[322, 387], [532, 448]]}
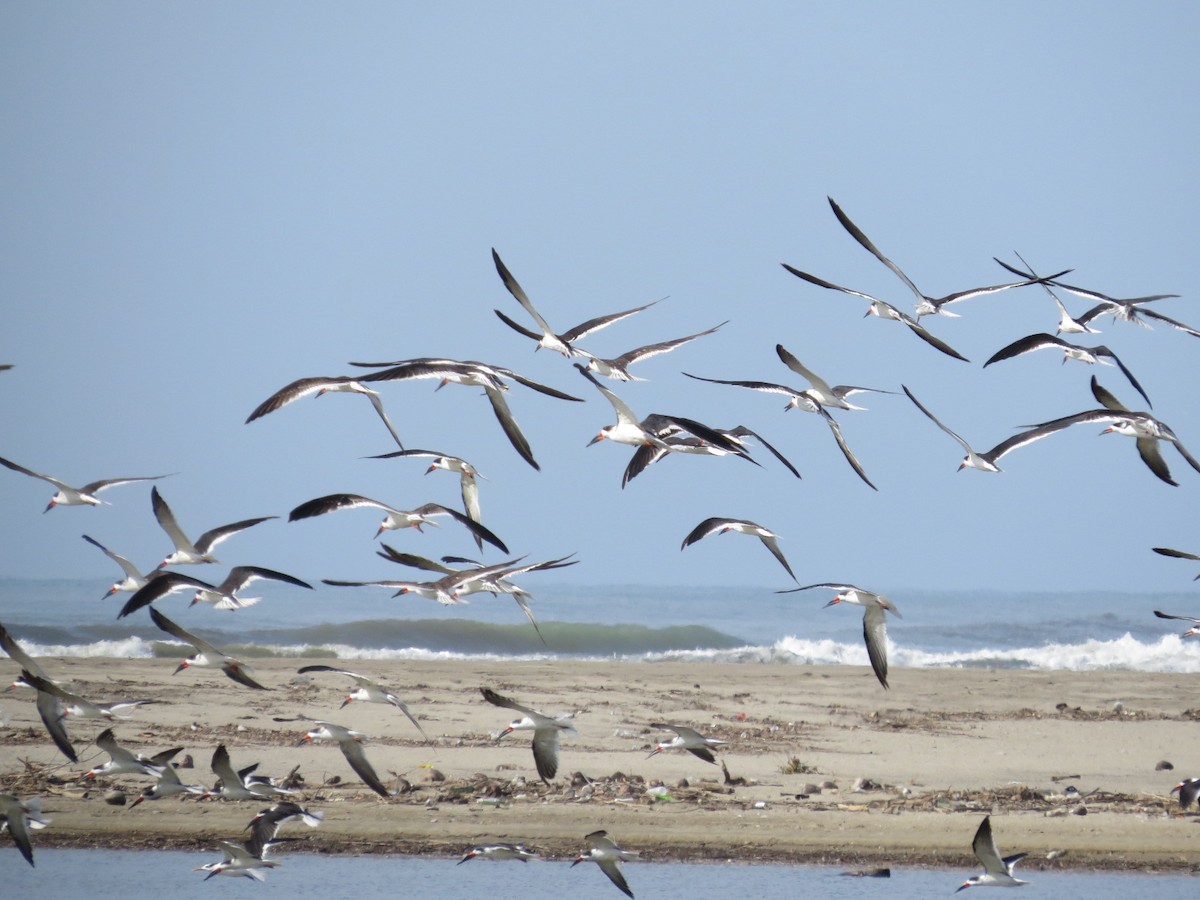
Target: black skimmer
{"points": [[604, 851], [618, 368], [207, 656], [1143, 427], [630, 430], [304, 386], [75, 705], [883, 310], [368, 690], [476, 374], [831, 397], [719, 525], [186, 552], [240, 784], [21, 817], [168, 785], [49, 707], [1067, 324], [686, 739], [1132, 309], [269, 821], [394, 518], [133, 580], [468, 478], [1089, 355], [1176, 554], [498, 851], [546, 732], [1189, 790], [802, 400], [241, 860], [122, 761], [874, 621], [221, 596], [548, 339], [997, 869], [1195, 627], [927, 305], [76, 496], [351, 744], [680, 441]]}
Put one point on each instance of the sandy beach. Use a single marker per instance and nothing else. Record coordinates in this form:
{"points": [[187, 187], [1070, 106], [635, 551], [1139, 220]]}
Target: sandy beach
{"points": [[823, 765]]}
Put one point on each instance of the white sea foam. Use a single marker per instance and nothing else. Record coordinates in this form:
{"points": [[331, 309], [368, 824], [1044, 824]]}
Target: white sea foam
{"points": [[128, 648]]}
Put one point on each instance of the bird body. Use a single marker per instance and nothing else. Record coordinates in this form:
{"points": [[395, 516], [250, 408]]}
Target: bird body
{"points": [[686, 739], [546, 732], [997, 870], [604, 851]]}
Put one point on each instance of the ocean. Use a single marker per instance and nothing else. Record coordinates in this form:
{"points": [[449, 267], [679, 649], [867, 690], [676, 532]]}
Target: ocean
{"points": [[976, 628]]}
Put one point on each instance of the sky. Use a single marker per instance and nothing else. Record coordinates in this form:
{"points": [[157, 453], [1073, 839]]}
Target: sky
{"points": [[204, 202]]}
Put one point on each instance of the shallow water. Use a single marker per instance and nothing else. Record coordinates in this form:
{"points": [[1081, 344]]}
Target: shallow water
{"points": [[111, 875]]}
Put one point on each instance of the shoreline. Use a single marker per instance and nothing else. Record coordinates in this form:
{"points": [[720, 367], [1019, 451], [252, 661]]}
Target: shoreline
{"points": [[828, 768]]}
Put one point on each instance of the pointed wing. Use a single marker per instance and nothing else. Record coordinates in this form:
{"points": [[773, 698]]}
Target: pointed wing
{"points": [[625, 415], [632, 356], [936, 421], [160, 585], [875, 636], [18, 824], [545, 752], [1150, 450], [920, 331], [357, 757], [498, 700], [214, 536], [704, 529], [845, 448], [520, 329], [507, 422], [772, 544], [743, 431], [17, 652], [857, 234], [378, 404], [166, 519], [519, 294], [332, 502], [583, 329], [50, 710], [470, 524], [24, 471], [799, 368], [171, 628], [289, 393], [1027, 344], [1104, 351], [240, 576], [610, 868], [126, 566], [1178, 554], [984, 847]]}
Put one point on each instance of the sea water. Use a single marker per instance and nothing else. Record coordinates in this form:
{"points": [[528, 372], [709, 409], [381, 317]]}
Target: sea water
{"points": [[113, 874]]}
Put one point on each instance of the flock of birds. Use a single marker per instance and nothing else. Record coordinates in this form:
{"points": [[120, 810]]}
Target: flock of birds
{"points": [[653, 438]]}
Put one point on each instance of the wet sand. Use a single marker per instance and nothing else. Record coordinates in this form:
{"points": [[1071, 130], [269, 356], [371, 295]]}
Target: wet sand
{"points": [[823, 765]]}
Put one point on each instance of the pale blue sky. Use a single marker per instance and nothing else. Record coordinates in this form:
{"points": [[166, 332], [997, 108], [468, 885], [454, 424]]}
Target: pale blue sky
{"points": [[204, 202]]}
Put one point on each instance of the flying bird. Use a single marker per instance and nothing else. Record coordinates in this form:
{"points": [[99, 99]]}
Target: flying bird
{"points": [[369, 691], [394, 518], [351, 744], [240, 784], [618, 367], [1177, 554], [874, 623], [604, 851], [718, 525], [1090, 355], [1194, 629], [76, 496], [186, 552], [133, 580], [20, 817], [680, 441], [686, 739], [222, 596], [122, 761], [548, 339], [317, 386], [206, 656], [546, 732], [468, 478], [997, 870], [927, 305], [499, 850], [883, 310], [73, 704], [50, 708]]}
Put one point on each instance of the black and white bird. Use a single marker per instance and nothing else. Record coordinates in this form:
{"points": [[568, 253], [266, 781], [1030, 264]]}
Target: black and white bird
{"points": [[997, 869], [604, 851], [20, 818], [73, 704], [805, 401], [186, 551], [133, 580], [368, 690], [207, 656], [680, 441], [546, 732], [883, 310], [874, 623], [393, 518], [1193, 629], [317, 386], [549, 339], [123, 761], [240, 784], [50, 708], [829, 396], [225, 595], [468, 478], [1090, 355], [617, 368], [76, 496], [351, 744], [927, 305], [686, 739], [499, 851], [1189, 790], [168, 785], [719, 525]]}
